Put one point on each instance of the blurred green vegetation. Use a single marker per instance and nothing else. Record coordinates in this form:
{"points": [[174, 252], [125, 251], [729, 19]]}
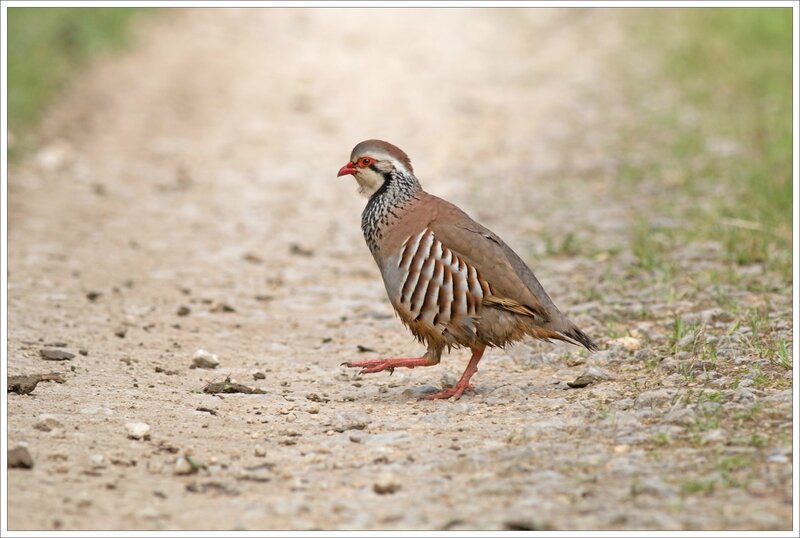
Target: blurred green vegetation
{"points": [[48, 45], [730, 147]]}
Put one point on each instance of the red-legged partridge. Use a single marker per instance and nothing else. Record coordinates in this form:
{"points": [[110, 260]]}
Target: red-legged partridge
{"points": [[453, 282]]}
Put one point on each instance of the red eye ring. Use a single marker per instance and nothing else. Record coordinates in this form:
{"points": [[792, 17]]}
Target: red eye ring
{"points": [[365, 161]]}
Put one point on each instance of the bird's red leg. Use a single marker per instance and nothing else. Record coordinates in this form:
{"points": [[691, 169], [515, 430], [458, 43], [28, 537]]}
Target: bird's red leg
{"points": [[378, 365], [463, 384]]}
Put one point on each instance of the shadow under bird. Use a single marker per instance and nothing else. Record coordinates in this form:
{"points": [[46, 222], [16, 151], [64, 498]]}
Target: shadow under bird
{"points": [[453, 282]]}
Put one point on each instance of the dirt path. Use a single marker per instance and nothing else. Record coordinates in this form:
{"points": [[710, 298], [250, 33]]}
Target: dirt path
{"points": [[199, 171]]}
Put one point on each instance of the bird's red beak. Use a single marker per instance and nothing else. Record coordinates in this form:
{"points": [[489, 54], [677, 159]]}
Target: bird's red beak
{"points": [[347, 169]]}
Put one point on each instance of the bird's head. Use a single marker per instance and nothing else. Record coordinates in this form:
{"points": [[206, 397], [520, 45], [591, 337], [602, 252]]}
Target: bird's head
{"points": [[372, 163]]}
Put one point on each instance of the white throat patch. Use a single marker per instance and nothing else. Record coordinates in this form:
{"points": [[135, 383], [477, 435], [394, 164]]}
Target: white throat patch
{"points": [[368, 182]]}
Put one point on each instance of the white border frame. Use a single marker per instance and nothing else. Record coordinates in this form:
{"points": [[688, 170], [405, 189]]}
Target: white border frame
{"points": [[386, 4]]}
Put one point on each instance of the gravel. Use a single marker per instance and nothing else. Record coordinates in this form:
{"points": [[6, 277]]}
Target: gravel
{"points": [[48, 423], [56, 355], [138, 430], [165, 192], [19, 458], [204, 359]]}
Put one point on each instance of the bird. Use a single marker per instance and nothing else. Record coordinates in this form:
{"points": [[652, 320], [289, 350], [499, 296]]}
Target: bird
{"points": [[453, 282]]}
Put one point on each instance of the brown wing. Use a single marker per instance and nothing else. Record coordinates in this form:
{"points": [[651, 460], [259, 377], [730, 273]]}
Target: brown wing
{"points": [[511, 280]]}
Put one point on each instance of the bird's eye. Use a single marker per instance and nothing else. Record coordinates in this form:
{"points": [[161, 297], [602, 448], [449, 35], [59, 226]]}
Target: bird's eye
{"points": [[366, 161]]}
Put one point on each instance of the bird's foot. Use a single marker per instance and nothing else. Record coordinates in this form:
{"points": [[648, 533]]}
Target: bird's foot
{"points": [[378, 365], [454, 392]]}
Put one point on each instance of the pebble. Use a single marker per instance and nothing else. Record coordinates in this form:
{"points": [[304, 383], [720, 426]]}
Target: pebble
{"points": [[350, 421], [673, 380], [48, 423], [669, 364], [183, 466], [259, 375], [19, 458], [138, 430], [313, 409], [204, 359], [742, 394], [420, 391], [183, 310], [710, 407], [357, 436], [222, 307], [54, 157], [505, 394], [575, 361], [55, 354], [386, 484], [652, 398], [260, 451], [627, 342], [589, 376], [98, 461], [680, 415]]}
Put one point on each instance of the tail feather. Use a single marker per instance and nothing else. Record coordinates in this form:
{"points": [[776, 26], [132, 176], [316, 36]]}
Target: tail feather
{"points": [[577, 336]]}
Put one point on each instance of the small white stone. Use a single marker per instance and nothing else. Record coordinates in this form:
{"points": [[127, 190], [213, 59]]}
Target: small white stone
{"points": [[628, 342], [48, 423], [386, 484], [53, 157], [204, 359], [98, 461], [260, 451], [182, 466], [313, 409], [138, 430]]}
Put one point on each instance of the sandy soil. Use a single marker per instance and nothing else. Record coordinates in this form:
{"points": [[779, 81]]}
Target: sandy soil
{"points": [[198, 171]]}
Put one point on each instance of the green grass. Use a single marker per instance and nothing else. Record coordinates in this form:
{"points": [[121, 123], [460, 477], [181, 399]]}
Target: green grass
{"points": [[46, 46], [725, 144], [704, 487]]}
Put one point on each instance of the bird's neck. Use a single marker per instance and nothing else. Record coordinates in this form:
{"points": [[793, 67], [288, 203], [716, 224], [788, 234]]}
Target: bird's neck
{"points": [[387, 204]]}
